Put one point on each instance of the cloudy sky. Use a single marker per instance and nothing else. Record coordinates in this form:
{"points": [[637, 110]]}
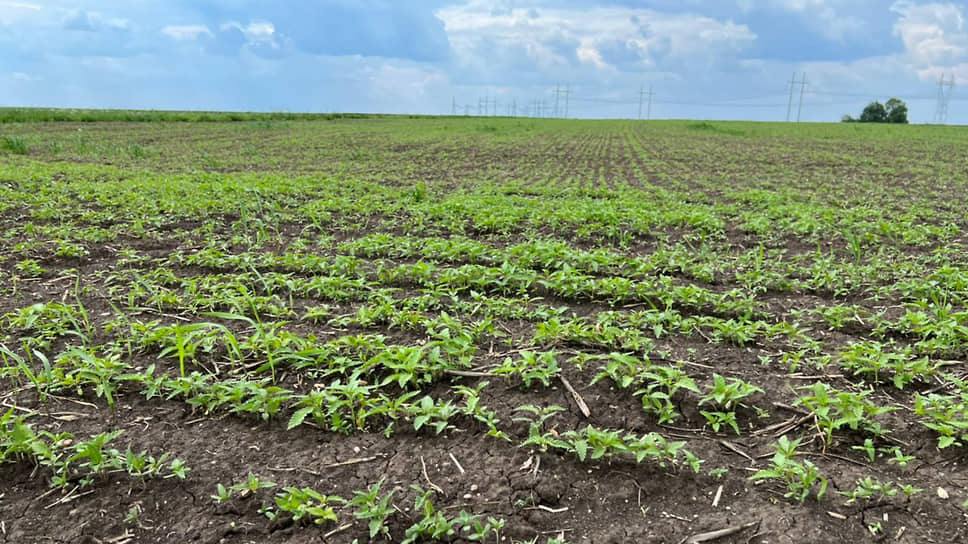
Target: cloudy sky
{"points": [[715, 59]]}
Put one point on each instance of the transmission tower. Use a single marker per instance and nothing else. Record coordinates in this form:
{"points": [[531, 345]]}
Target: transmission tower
{"points": [[793, 83], [944, 96]]}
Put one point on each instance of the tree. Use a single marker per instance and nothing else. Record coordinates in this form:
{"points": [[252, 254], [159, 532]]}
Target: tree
{"points": [[896, 111], [875, 112]]}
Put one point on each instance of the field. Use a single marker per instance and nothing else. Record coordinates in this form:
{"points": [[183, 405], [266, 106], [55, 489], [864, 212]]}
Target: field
{"points": [[274, 329]]}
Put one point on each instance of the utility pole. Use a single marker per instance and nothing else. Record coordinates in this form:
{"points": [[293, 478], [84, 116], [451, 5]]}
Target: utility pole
{"points": [[467, 110], [479, 110], [941, 114], [793, 83], [514, 107], [557, 97], [453, 106], [649, 115], [566, 92], [803, 85], [641, 94]]}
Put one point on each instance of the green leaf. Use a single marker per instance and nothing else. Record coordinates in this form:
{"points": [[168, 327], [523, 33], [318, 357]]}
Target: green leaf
{"points": [[419, 422], [375, 526], [298, 417], [945, 441], [764, 474], [581, 448]]}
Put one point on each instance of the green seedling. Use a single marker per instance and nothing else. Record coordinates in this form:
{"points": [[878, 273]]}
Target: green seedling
{"points": [[541, 367], [373, 508], [307, 505], [799, 478]]}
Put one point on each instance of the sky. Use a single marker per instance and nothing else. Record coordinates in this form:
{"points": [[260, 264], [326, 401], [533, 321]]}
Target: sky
{"points": [[701, 59]]}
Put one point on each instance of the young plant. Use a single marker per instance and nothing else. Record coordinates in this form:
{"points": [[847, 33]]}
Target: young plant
{"points": [[375, 509], [307, 505], [870, 489], [541, 366], [798, 477], [537, 436], [436, 414], [726, 395], [836, 409]]}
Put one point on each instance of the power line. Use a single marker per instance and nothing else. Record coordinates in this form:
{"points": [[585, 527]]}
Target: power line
{"points": [[603, 100], [541, 106]]}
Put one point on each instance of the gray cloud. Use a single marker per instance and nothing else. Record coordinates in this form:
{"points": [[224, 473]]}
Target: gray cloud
{"points": [[377, 28]]}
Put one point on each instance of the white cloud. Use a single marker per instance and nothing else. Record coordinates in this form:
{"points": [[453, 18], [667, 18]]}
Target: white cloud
{"points": [[934, 35], [257, 31], [604, 38], [791, 5], [93, 21], [13, 12], [958, 72], [21, 5], [588, 54], [825, 17], [186, 32], [19, 76], [799, 5]]}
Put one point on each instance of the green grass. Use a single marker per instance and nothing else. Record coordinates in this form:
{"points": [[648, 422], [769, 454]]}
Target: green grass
{"points": [[14, 144]]}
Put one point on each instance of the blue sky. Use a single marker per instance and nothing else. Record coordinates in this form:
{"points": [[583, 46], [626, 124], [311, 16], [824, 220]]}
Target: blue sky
{"points": [[714, 59]]}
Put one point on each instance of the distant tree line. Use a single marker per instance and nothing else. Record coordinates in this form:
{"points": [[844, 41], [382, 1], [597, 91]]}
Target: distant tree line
{"points": [[894, 111]]}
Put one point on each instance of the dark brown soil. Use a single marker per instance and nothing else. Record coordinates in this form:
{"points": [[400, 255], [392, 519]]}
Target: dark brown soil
{"points": [[541, 495]]}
